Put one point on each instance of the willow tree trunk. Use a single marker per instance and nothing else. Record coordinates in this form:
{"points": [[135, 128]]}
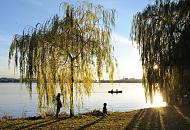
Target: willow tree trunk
{"points": [[71, 90]]}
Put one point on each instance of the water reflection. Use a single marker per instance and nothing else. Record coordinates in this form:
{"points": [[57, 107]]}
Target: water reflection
{"points": [[15, 99]]}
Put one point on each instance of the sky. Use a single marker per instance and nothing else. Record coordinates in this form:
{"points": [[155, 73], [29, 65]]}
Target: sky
{"points": [[15, 15]]}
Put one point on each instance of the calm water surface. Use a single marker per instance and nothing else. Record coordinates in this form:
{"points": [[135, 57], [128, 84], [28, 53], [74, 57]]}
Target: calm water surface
{"points": [[15, 100]]}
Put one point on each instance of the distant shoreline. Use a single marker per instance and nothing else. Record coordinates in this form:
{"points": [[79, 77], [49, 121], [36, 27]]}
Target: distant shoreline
{"points": [[9, 80], [131, 80], [126, 80]]}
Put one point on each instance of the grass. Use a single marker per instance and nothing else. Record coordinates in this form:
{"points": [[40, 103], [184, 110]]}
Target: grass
{"points": [[167, 118]]}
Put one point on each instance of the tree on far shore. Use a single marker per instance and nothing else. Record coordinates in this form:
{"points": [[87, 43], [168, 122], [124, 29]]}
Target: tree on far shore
{"points": [[67, 52]]}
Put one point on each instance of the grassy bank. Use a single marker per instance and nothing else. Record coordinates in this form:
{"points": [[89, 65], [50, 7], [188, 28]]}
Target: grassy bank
{"points": [[167, 118]]}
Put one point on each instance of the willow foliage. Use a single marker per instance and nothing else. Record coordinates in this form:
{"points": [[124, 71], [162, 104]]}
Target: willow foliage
{"points": [[71, 50], [161, 32]]}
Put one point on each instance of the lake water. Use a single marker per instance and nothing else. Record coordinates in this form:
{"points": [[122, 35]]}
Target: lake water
{"points": [[15, 100]]}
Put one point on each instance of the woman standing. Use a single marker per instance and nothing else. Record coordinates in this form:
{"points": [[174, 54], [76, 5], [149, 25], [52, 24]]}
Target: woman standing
{"points": [[59, 104]]}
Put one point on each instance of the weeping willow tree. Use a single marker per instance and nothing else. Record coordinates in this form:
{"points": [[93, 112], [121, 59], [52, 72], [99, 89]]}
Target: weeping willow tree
{"points": [[67, 52], [161, 33]]}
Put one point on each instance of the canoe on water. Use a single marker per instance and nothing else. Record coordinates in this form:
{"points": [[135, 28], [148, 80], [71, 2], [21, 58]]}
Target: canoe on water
{"points": [[116, 91]]}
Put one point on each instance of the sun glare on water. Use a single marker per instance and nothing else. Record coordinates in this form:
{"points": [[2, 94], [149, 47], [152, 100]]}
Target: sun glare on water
{"points": [[158, 101]]}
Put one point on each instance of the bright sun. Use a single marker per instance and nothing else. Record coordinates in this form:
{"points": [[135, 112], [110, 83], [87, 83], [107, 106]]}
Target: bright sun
{"points": [[158, 101], [155, 67]]}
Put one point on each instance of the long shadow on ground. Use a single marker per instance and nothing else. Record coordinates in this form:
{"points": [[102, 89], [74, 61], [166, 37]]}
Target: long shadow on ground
{"points": [[90, 124], [150, 120], [147, 119], [167, 118], [173, 119], [135, 120], [35, 125], [11, 125]]}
